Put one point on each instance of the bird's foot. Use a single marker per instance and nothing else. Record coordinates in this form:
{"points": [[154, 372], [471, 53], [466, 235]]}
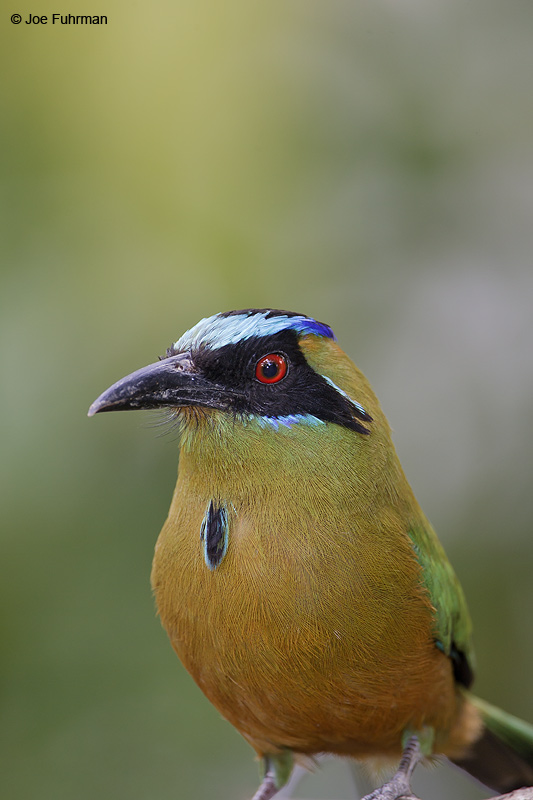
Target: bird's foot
{"points": [[267, 789], [277, 771], [399, 787]]}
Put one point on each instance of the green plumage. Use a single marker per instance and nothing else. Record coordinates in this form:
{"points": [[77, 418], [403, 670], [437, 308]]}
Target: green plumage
{"points": [[451, 622], [514, 732], [502, 756]]}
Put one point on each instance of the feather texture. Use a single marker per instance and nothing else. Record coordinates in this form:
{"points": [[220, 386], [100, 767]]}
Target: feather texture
{"points": [[321, 597], [328, 617]]}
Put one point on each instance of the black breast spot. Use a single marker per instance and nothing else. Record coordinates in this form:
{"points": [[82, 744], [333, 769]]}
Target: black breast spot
{"points": [[214, 533]]}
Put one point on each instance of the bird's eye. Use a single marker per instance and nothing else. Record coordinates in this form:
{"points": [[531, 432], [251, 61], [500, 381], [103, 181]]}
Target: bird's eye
{"points": [[271, 368]]}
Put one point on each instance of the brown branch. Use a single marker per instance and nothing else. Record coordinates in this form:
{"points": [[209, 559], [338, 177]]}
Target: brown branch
{"points": [[398, 788], [526, 793]]}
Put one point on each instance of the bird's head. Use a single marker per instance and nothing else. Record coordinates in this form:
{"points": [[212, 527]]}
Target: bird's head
{"points": [[271, 369]]}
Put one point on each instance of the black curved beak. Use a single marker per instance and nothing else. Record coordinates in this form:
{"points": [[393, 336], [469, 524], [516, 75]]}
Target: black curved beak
{"points": [[171, 383]]}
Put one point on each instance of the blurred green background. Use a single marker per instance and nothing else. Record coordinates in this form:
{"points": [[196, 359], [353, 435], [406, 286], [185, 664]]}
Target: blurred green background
{"points": [[366, 163]]}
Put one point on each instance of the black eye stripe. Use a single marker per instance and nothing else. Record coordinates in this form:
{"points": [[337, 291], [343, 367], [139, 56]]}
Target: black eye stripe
{"points": [[301, 391]]}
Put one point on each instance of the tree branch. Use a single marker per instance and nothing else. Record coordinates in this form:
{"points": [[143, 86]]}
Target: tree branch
{"points": [[525, 793]]}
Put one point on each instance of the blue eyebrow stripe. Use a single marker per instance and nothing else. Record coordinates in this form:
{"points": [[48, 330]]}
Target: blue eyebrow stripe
{"points": [[303, 325], [287, 421], [218, 331]]}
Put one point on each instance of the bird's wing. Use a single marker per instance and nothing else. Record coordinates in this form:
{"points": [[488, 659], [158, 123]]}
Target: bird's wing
{"points": [[453, 628]]}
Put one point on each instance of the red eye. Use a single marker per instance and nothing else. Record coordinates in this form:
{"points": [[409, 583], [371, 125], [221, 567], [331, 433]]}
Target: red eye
{"points": [[271, 368]]}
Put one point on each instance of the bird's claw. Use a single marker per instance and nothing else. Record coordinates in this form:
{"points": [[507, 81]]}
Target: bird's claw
{"points": [[394, 789], [267, 789], [399, 787]]}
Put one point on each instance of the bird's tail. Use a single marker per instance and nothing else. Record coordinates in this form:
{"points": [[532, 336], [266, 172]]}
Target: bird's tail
{"points": [[502, 757]]}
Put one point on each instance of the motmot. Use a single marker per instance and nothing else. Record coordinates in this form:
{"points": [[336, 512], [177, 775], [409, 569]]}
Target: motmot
{"points": [[296, 575]]}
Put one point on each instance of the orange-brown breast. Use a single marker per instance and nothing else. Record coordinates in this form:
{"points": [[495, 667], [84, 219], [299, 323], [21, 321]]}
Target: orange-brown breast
{"points": [[313, 633]]}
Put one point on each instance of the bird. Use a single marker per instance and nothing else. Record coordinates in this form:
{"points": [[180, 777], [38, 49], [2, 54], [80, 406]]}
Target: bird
{"points": [[296, 575]]}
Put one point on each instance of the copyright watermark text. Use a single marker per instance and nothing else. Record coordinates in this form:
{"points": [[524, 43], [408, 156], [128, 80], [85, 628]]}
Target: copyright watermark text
{"points": [[59, 19]]}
